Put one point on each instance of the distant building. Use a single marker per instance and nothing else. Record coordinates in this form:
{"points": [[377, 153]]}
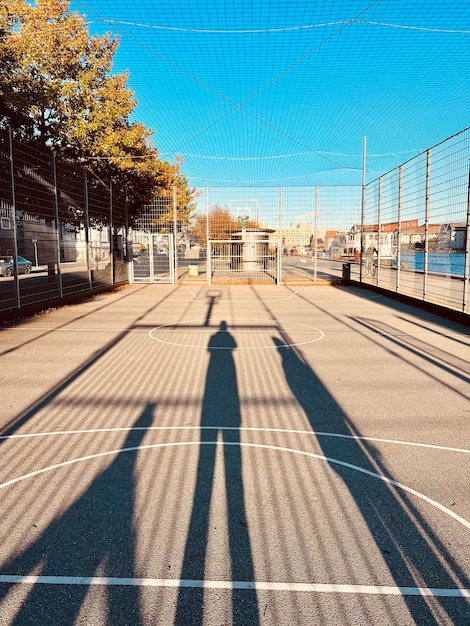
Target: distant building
{"points": [[329, 238], [299, 236], [414, 237], [348, 244], [452, 237], [404, 225], [7, 239]]}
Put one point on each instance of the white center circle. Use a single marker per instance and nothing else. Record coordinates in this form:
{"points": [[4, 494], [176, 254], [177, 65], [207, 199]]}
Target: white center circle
{"points": [[244, 334]]}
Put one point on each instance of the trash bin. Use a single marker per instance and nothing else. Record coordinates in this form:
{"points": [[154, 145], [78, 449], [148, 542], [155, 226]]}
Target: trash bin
{"points": [[193, 270], [346, 273], [51, 272]]}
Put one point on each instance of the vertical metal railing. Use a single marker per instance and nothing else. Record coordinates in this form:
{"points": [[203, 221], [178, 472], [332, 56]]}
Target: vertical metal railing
{"points": [[399, 217], [13, 210], [45, 211], [87, 225], [56, 216], [426, 226], [379, 229], [466, 273], [111, 231], [49, 205]]}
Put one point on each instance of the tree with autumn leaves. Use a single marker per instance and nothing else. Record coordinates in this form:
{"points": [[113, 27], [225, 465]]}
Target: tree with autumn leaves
{"points": [[57, 89], [218, 225]]}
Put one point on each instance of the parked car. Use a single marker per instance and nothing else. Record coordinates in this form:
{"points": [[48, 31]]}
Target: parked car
{"points": [[7, 265]]}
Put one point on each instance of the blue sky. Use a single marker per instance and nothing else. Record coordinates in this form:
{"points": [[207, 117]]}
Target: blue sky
{"points": [[255, 92]]}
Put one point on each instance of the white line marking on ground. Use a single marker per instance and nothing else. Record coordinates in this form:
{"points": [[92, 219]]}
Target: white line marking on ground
{"points": [[431, 446], [205, 329], [295, 293], [312, 455], [381, 333], [75, 329], [173, 327], [276, 326], [178, 583], [204, 298]]}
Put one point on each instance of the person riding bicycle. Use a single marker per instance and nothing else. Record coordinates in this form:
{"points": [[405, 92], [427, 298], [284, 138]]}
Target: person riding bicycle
{"points": [[371, 259]]}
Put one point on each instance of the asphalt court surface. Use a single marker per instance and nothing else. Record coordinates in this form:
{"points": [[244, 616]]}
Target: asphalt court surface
{"points": [[235, 455]]}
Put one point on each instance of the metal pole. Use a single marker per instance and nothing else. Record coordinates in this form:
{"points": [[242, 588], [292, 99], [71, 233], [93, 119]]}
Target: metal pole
{"points": [[363, 202], [379, 226], [208, 261], [426, 225], [175, 229], [400, 177], [127, 257], [466, 271], [111, 230], [13, 210], [87, 225], [279, 266], [315, 235], [56, 216]]}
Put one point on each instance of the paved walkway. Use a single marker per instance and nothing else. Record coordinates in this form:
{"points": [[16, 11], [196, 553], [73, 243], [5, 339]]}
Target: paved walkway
{"points": [[235, 455]]}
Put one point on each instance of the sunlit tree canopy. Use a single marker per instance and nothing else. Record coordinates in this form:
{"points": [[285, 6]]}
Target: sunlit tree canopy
{"points": [[57, 88]]}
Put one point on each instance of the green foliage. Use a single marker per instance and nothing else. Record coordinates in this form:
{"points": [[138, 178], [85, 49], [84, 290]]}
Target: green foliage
{"points": [[57, 89], [221, 225]]}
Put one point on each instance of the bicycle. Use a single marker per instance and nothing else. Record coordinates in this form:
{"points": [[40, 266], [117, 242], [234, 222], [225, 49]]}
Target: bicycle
{"points": [[370, 266]]}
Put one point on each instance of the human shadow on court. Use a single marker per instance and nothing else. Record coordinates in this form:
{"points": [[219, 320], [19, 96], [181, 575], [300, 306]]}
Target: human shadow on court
{"points": [[94, 537], [409, 547], [220, 408]]}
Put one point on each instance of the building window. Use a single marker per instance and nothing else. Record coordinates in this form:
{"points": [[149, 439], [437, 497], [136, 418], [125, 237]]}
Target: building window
{"points": [[5, 223]]}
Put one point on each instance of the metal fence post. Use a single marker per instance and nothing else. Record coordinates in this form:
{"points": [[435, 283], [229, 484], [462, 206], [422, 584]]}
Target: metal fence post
{"points": [[363, 203], [466, 271], [207, 216], [126, 225], [87, 225], [111, 230], [175, 229], [209, 262], [315, 235], [400, 191], [426, 225], [379, 229], [56, 217], [13, 209]]}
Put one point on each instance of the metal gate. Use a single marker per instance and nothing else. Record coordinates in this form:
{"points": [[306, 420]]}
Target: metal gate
{"points": [[244, 260], [152, 258]]}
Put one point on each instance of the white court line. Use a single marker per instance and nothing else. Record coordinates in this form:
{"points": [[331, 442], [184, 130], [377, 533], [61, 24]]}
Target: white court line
{"points": [[75, 329], [396, 334], [204, 298], [173, 327], [178, 583], [264, 329], [311, 455], [205, 329], [289, 431]]}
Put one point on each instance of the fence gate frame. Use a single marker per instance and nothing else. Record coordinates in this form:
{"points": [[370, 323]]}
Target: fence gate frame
{"points": [[153, 257], [257, 261]]}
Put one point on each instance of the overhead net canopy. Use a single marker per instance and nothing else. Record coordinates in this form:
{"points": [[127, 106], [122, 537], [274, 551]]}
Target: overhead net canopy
{"points": [[282, 93]]}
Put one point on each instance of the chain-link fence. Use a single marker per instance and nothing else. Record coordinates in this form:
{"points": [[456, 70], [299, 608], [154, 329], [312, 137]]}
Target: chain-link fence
{"points": [[407, 231], [414, 235], [267, 234], [62, 230]]}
